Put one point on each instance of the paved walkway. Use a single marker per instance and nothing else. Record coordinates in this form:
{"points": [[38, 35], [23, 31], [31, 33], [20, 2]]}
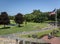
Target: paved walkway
{"points": [[7, 41], [55, 40]]}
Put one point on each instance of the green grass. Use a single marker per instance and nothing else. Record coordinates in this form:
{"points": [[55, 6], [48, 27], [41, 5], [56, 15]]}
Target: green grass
{"points": [[39, 34], [28, 27], [12, 21], [58, 34]]}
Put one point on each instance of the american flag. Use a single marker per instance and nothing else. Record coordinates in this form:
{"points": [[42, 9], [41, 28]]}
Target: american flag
{"points": [[53, 12]]}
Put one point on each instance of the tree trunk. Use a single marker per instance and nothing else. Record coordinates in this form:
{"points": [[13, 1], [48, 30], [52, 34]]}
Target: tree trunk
{"points": [[18, 25], [4, 25]]}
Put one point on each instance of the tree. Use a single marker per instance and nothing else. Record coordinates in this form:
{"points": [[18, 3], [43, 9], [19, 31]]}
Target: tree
{"points": [[36, 12], [11, 17], [36, 16], [39, 18], [19, 19], [29, 17], [0, 20], [58, 13], [58, 16], [4, 19]]}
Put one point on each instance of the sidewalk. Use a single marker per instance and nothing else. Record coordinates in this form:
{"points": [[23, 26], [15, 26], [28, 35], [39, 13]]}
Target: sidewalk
{"points": [[55, 40], [7, 41]]}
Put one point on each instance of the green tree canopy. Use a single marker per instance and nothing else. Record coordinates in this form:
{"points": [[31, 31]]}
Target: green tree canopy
{"points": [[4, 19], [19, 19]]}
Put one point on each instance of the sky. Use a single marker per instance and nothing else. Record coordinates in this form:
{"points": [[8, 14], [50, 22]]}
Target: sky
{"points": [[12, 7]]}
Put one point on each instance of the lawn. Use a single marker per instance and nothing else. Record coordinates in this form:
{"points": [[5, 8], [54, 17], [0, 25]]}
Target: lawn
{"points": [[58, 34], [28, 27], [39, 34]]}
